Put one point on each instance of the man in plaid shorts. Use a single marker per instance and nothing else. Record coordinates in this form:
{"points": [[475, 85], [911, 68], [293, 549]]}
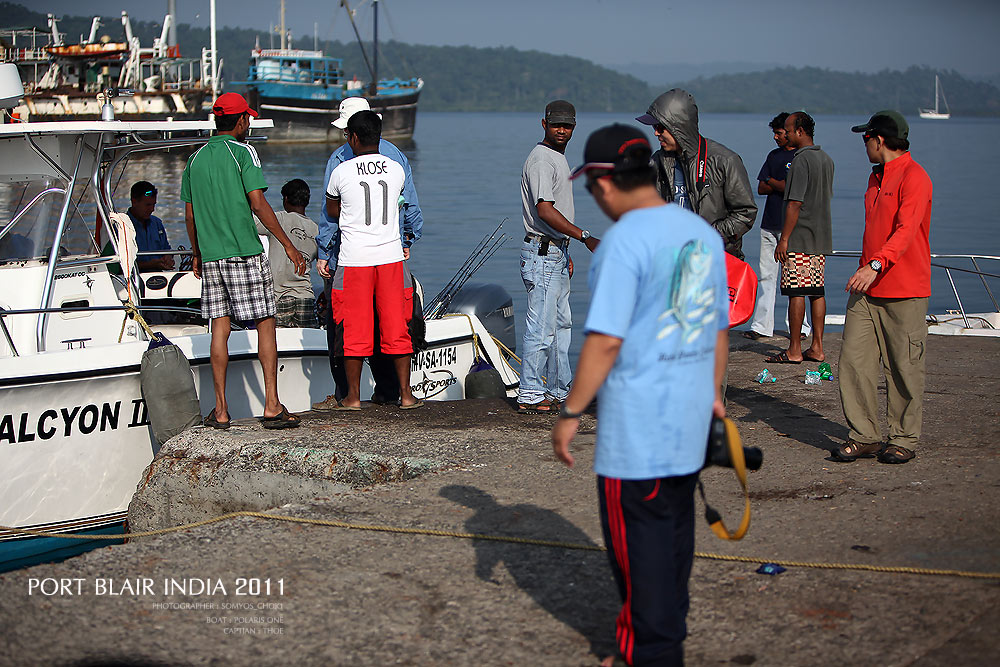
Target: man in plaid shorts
{"points": [[223, 188], [806, 238]]}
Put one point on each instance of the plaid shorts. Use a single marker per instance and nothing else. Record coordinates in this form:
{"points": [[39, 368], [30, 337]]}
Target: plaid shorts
{"points": [[297, 312], [803, 275], [239, 287]]}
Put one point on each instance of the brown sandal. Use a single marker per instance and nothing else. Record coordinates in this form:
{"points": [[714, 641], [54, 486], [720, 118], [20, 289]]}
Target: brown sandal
{"points": [[543, 407], [852, 450], [895, 454]]}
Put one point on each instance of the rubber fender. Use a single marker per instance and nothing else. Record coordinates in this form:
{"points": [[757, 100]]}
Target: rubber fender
{"points": [[168, 389]]}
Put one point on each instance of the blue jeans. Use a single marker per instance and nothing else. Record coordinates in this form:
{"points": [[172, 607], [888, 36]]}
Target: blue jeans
{"points": [[547, 329]]}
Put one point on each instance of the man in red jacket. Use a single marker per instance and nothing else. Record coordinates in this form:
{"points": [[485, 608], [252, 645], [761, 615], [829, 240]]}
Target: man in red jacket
{"points": [[887, 309]]}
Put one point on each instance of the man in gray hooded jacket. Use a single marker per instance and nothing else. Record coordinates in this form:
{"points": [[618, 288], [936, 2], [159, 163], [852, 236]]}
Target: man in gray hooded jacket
{"points": [[697, 173]]}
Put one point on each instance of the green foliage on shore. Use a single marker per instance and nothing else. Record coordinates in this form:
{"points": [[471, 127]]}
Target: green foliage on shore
{"points": [[465, 78], [825, 91]]}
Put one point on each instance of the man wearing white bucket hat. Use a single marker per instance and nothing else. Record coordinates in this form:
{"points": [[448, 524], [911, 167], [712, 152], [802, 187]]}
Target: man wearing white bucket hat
{"points": [[328, 242]]}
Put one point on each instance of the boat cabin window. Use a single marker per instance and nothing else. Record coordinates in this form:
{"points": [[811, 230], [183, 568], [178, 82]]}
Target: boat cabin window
{"points": [[37, 205]]}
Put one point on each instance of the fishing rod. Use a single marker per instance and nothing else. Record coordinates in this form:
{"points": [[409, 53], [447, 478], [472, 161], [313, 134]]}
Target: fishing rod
{"points": [[446, 301], [485, 249], [434, 305]]}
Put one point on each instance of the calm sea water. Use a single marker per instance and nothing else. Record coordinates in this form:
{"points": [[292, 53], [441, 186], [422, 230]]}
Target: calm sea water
{"points": [[467, 169]]}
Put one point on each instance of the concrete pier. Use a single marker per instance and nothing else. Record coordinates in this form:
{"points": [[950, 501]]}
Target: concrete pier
{"points": [[265, 592]]}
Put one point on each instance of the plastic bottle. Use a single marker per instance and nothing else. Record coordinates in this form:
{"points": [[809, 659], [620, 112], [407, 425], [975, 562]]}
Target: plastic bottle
{"points": [[765, 376], [813, 377]]}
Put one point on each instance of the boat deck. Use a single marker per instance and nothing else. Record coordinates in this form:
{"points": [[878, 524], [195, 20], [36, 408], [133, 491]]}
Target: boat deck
{"points": [[363, 597]]}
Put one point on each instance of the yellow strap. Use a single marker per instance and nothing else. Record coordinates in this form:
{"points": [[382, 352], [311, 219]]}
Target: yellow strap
{"points": [[740, 468]]}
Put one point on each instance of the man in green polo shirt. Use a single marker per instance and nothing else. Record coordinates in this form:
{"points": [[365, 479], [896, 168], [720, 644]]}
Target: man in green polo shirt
{"points": [[223, 188]]}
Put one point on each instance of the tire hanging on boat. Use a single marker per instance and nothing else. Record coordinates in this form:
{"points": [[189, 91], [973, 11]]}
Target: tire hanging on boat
{"points": [[168, 389]]}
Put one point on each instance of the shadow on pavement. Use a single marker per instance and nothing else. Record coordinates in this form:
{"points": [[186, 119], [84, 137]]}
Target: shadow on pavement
{"points": [[793, 421], [574, 586]]}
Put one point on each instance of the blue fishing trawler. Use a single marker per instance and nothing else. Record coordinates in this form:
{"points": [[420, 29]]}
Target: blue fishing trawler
{"points": [[301, 91]]}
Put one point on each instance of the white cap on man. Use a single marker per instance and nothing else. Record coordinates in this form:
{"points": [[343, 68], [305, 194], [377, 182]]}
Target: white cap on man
{"points": [[348, 107]]}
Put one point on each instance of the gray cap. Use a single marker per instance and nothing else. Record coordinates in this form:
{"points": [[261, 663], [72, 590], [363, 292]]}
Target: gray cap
{"points": [[560, 112]]}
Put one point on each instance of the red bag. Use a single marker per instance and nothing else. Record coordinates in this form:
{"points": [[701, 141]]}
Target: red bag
{"points": [[742, 290]]}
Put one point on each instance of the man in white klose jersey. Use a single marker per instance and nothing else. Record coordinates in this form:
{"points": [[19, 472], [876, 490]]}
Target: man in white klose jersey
{"points": [[363, 194]]}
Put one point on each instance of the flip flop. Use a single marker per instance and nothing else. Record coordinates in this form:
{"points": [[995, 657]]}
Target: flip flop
{"points": [[283, 419], [781, 358], [210, 420], [753, 335], [808, 357], [346, 408], [412, 406]]}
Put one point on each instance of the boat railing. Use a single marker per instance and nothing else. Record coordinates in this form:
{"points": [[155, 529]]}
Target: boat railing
{"points": [[950, 270]]}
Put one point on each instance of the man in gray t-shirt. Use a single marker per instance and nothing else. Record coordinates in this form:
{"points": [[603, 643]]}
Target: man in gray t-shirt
{"points": [[806, 237], [294, 297], [547, 205]]}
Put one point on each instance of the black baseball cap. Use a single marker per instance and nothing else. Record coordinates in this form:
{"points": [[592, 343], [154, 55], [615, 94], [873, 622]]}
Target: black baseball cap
{"points": [[887, 123], [560, 112], [616, 148], [142, 189]]}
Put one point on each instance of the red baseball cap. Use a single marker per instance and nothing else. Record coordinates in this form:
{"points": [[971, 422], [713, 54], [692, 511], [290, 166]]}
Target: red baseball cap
{"points": [[232, 103]]}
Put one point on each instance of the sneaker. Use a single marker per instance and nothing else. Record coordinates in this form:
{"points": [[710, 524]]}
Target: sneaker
{"points": [[328, 403]]}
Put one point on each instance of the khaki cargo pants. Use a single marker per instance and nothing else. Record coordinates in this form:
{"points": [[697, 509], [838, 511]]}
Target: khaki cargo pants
{"points": [[893, 331]]}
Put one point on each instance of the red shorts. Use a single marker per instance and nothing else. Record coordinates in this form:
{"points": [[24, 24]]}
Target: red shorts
{"points": [[357, 292]]}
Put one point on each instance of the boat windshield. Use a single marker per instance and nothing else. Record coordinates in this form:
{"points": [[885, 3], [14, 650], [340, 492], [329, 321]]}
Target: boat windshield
{"points": [[29, 220]]}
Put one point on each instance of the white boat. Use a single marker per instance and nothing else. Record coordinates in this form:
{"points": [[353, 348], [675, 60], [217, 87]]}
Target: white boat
{"points": [[936, 113], [74, 432], [957, 321]]}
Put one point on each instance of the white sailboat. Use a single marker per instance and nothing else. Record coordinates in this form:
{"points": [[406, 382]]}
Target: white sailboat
{"points": [[936, 113]]}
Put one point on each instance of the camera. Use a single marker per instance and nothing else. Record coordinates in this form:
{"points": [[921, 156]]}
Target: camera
{"points": [[718, 453]]}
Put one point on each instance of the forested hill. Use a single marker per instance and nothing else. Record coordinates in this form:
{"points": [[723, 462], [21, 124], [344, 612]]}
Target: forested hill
{"points": [[466, 78], [826, 91]]}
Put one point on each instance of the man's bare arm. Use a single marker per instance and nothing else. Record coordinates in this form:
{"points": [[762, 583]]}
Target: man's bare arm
{"points": [[597, 357], [551, 216], [265, 214]]}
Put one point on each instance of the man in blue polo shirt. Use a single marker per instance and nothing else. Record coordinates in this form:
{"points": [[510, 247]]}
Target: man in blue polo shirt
{"points": [[656, 348], [149, 232]]}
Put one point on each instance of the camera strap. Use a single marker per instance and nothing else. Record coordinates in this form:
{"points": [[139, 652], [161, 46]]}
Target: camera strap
{"points": [[714, 519]]}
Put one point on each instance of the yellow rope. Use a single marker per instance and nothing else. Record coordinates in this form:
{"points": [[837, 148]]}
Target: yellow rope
{"points": [[130, 309], [506, 349], [503, 538]]}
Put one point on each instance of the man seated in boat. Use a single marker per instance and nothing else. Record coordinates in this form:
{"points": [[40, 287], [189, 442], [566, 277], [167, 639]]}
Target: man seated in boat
{"points": [[293, 294], [363, 195], [150, 234]]}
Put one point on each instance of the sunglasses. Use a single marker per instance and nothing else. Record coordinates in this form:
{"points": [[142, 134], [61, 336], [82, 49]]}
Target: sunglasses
{"points": [[591, 182]]}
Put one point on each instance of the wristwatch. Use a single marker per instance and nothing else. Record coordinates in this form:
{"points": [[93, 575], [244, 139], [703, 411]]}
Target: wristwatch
{"points": [[584, 235], [875, 265], [564, 413]]}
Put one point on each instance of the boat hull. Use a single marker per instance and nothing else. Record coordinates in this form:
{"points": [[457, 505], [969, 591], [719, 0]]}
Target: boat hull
{"points": [[301, 119], [75, 435]]}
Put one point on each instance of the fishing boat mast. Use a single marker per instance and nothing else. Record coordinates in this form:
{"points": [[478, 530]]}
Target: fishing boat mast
{"points": [[373, 70]]}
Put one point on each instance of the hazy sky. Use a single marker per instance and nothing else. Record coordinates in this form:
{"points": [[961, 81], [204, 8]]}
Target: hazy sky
{"points": [[838, 34]]}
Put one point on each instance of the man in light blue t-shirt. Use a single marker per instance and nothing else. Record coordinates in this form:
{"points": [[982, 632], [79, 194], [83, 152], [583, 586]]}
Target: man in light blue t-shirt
{"points": [[656, 347]]}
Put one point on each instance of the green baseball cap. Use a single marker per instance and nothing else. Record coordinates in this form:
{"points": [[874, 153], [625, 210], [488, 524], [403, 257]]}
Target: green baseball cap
{"points": [[887, 123]]}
